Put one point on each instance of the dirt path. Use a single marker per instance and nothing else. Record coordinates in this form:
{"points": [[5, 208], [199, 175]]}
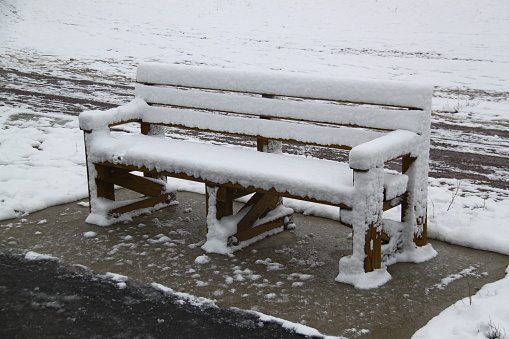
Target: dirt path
{"points": [[458, 151]]}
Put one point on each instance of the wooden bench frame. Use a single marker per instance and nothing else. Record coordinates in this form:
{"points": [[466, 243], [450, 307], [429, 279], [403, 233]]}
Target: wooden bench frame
{"points": [[405, 109]]}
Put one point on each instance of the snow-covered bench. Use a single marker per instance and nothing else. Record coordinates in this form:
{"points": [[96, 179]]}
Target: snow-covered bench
{"points": [[377, 121]]}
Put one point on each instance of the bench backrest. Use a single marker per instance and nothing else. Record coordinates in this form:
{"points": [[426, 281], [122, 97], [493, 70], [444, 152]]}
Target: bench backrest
{"points": [[186, 95]]}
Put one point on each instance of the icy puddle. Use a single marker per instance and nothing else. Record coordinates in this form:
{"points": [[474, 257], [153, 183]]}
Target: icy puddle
{"points": [[290, 275]]}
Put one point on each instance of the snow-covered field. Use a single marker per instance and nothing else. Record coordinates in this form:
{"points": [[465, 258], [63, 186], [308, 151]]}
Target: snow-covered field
{"points": [[461, 47]]}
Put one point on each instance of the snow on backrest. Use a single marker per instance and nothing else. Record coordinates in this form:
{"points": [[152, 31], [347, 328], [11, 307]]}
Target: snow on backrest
{"points": [[388, 93], [322, 112], [336, 137]]}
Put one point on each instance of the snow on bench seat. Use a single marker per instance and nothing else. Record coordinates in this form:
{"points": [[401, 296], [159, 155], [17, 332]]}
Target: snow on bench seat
{"points": [[323, 180]]}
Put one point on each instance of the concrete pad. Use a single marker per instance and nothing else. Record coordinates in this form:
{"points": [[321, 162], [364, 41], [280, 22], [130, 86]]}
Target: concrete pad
{"points": [[289, 275]]}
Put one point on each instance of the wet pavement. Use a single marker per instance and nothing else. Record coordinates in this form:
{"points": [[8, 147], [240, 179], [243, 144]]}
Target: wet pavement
{"points": [[289, 275], [44, 298]]}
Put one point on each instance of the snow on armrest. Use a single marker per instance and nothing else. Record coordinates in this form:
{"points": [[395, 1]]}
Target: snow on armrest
{"points": [[376, 152], [90, 120]]}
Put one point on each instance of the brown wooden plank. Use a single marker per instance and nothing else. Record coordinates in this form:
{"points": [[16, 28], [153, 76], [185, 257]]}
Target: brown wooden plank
{"points": [[260, 229], [288, 117], [406, 162], [124, 122], [263, 202], [261, 143], [255, 135], [223, 209], [224, 202], [145, 203], [105, 189], [145, 128], [229, 184], [359, 102], [252, 201], [227, 194], [372, 249], [422, 240], [116, 124], [130, 181], [388, 204], [385, 238], [88, 171], [244, 105]]}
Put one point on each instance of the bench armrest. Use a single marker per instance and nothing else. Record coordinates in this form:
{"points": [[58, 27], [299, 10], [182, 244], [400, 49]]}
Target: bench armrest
{"points": [[133, 111], [376, 152]]}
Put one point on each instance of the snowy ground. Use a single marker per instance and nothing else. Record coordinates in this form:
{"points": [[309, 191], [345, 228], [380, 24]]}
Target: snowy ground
{"points": [[461, 47]]}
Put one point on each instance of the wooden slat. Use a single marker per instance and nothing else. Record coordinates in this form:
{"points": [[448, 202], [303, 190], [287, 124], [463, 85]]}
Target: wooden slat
{"points": [[260, 229], [124, 122], [133, 182], [385, 238], [145, 203], [105, 189], [224, 204], [261, 203], [406, 163], [388, 204], [422, 240], [85, 133], [145, 128], [223, 209], [252, 201], [328, 136], [372, 249], [388, 93], [228, 194], [311, 111], [290, 140]]}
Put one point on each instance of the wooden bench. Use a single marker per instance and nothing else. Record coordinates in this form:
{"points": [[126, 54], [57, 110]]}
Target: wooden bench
{"points": [[376, 122]]}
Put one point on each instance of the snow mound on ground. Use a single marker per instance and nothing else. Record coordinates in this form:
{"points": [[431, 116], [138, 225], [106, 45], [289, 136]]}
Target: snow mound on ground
{"points": [[30, 255], [42, 163], [476, 317]]}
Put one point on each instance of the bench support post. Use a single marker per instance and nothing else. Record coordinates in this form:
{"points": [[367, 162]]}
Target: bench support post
{"points": [[414, 206], [102, 178], [251, 220], [373, 249], [104, 189], [365, 218]]}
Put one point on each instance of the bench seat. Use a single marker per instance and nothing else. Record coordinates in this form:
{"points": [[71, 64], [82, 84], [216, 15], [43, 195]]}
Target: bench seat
{"points": [[325, 181]]}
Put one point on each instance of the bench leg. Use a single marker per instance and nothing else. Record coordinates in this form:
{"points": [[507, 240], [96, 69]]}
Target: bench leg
{"points": [[105, 189], [368, 211], [263, 214], [363, 268], [373, 249], [414, 206], [103, 177], [257, 208]]}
